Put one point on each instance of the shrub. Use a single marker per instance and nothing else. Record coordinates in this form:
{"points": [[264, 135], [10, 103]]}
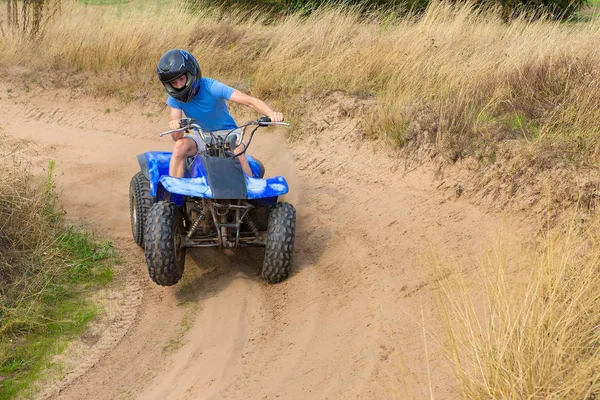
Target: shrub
{"points": [[307, 6], [555, 9], [47, 272]]}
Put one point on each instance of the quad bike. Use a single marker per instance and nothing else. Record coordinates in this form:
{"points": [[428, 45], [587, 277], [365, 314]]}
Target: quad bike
{"points": [[215, 205]]}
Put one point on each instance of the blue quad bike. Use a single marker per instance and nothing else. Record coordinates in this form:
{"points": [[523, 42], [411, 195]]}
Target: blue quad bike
{"points": [[215, 205]]}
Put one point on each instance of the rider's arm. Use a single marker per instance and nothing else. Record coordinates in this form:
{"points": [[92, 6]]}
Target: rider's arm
{"points": [[256, 104], [176, 115]]}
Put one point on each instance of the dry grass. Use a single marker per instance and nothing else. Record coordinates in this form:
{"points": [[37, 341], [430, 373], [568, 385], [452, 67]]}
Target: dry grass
{"points": [[457, 78], [27, 232], [46, 272], [533, 334]]}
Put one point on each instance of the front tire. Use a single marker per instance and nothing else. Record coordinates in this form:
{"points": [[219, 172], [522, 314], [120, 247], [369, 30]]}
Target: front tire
{"points": [[165, 254], [140, 201], [280, 243]]}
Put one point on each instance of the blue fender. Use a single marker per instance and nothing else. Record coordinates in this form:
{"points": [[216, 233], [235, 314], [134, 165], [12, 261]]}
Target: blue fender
{"points": [[258, 170], [199, 187], [155, 166]]}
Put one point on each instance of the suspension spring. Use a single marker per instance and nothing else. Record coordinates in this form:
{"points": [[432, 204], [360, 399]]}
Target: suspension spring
{"points": [[251, 224], [201, 215]]}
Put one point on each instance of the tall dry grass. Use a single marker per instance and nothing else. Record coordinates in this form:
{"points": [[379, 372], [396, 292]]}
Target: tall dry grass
{"points": [[459, 78], [532, 334]]}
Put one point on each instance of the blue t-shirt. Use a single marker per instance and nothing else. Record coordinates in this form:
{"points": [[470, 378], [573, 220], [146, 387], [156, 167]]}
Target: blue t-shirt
{"points": [[208, 106]]}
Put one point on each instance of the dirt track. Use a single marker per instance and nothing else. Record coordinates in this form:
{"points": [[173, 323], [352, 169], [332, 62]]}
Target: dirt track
{"points": [[350, 323]]}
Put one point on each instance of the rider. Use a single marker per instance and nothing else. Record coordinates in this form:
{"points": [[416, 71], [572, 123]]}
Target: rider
{"points": [[202, 99]]}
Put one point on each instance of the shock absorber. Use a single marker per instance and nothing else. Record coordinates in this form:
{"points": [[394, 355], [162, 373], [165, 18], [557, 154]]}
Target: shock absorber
{"points": [[251, 224], [201, 215]]}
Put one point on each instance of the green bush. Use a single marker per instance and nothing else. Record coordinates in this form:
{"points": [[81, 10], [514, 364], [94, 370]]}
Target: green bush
{"points": [[556, 9], [307, 6]]}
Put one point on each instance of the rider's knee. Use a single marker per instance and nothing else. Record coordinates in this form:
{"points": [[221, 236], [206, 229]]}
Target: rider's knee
{"points": [[183, 149]]}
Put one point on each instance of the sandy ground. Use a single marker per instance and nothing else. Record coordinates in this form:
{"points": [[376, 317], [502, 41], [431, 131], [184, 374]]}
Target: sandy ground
{"points": [[358, 317]]}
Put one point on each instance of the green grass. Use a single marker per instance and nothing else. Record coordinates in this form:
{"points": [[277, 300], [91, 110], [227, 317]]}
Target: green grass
{"points": [[34, 329], [586, 13]]}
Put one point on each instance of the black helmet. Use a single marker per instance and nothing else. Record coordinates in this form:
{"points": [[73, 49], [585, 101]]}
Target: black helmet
{"points": [[171, 66]]}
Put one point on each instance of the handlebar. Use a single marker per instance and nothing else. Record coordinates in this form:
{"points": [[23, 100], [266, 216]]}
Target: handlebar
{"points": [[264, 121], [187, 124]]}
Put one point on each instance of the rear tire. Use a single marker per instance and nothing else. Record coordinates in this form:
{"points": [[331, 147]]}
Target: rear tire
{"points": [[140, 202], [280, 243], [165, 254]]}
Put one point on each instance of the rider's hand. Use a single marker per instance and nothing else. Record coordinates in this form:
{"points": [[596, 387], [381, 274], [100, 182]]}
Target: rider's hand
{"points": [[276, 117], [174, 124]]}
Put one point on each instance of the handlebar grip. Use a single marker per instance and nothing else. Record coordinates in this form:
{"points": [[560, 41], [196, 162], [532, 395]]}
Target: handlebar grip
{"points": [[185, 122], [264, 119]]}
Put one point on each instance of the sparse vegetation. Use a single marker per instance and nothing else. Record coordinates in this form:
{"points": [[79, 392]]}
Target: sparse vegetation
{"points": [[47, 271]]}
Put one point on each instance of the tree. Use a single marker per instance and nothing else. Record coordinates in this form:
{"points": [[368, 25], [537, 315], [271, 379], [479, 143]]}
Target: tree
{"points": [[31, 16]]}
